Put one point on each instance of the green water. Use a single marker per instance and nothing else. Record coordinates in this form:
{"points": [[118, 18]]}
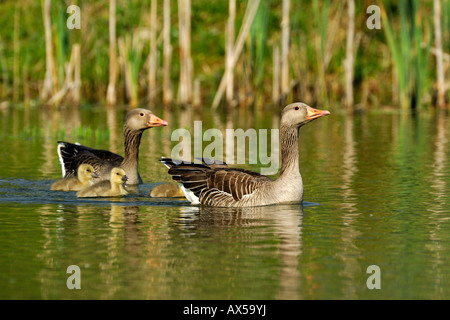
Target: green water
{"points": [[376, 193]]}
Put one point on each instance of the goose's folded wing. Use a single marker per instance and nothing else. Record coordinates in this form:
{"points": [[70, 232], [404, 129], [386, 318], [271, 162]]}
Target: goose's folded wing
{"points": [[215, 180], [72, 155]]}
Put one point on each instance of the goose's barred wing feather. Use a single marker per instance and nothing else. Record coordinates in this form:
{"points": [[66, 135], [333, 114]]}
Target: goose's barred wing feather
{"points": [[215, 182]]}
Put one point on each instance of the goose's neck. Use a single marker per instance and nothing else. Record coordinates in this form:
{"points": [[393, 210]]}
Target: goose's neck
{"points": [[289, 186], [132, 140], [289, 151]]}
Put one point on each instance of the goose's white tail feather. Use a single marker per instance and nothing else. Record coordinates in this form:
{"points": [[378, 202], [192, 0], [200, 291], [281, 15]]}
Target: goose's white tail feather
{"points": [[61, 160], [190, 196]]}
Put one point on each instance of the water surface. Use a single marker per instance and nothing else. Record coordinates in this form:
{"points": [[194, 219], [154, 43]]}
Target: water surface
{"points": [[376, 193]]}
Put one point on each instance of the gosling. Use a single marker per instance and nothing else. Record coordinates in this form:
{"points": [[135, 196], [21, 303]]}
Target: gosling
{"points": [[167, 190], [114, 187], [83, 180]]}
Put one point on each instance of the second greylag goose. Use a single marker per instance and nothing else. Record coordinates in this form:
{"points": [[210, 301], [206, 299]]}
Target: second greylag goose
{"points": [[84, 179], [107, 188], [137, 121], [215, 184]]}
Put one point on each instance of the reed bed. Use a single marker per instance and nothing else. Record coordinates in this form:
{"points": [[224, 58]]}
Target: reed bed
{"points": [[255, 54]]}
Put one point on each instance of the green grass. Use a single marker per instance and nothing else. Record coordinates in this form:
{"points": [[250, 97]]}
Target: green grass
{"points": [[409, 45]]}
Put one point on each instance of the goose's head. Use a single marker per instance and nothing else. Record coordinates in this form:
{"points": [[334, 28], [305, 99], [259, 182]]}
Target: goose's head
{"points": [[86, 172], [118, 176], [141, 119], [298, 114]]}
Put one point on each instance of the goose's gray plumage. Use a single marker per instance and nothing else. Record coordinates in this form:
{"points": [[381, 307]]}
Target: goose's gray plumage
{"points": [[71, 155], [213, 183]]}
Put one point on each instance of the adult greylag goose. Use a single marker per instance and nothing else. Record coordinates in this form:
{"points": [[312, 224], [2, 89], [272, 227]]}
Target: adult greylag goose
{"points": [[137, 121], [113, 187], [84, 179], [213, 183], [167, 190]]}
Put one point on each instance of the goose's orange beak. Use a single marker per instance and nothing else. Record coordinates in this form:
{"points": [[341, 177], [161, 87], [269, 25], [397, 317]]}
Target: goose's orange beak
{"points": [[315, 113], [156, 122]]}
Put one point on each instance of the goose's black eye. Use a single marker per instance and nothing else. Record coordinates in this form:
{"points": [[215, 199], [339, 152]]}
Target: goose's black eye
{"points": [[141, 114], [296, 108], [118, 174]]}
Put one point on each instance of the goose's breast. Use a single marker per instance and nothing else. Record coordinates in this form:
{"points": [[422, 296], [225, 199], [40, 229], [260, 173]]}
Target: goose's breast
{"points": [[287, 191]]}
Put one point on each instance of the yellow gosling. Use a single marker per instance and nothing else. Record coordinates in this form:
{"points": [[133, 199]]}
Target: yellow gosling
{"points": [[114, 187], [167, 190], [83, 180]]}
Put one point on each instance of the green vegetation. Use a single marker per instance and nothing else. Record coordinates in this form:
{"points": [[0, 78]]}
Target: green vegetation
{"points": [[394, 66]]}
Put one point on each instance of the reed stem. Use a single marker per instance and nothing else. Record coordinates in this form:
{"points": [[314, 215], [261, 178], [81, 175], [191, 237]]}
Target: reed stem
{"points": [[153, 53], [16, 49], [276, 76], [186, 69], [229, 47], [111, 91], [285, 50], [439, 55], [349, 59], [50, 81], [167, 87], [252, 8]]}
